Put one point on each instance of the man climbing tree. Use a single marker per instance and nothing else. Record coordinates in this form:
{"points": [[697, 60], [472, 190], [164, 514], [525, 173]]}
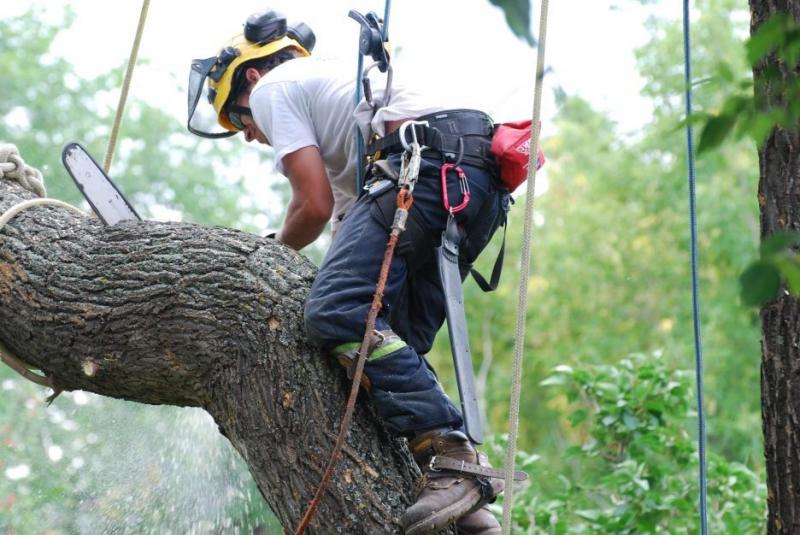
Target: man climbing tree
{"points": [[265, 85]]}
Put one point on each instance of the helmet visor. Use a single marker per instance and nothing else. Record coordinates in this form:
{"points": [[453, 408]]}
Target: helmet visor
{"points": [[202, 120]]}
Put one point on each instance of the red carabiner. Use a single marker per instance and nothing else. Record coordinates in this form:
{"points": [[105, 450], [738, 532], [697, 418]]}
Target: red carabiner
{"points": [[462, 179]]}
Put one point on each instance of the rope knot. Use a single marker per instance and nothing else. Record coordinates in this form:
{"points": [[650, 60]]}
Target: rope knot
{"points": [[13, 167]]}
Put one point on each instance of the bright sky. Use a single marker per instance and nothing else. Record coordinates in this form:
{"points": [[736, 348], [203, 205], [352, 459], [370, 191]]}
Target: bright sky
{"points": [[462, 46], [458, 50]]}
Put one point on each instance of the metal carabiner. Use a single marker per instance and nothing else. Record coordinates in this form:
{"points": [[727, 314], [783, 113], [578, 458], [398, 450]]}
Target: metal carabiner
{"points": [[463, 186], [414, 141], [367, 85]]}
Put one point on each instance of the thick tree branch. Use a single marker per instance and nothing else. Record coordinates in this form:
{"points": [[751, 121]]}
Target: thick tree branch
{"points": [[182, 314]]}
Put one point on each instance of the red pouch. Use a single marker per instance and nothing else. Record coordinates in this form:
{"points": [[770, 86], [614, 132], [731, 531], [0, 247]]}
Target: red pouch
{"points": [[511, 145]]}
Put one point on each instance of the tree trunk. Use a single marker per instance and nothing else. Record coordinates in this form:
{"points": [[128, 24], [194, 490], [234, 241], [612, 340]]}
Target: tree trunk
{"points": [[779, 200], [169, 313]]}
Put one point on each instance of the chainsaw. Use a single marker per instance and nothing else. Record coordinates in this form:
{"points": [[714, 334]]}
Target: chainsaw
{"points": [[105, 198]]}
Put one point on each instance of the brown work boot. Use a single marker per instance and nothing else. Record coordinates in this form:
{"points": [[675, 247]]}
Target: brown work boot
{"points": [[449, 488], [479, 522]]}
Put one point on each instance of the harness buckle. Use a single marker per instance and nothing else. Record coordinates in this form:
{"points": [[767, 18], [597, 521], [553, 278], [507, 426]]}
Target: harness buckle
{"points": [[431, 465], [414, 141]]}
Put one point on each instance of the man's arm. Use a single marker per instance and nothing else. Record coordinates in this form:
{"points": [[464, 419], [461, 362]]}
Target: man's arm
{"points": [[311, 205]]}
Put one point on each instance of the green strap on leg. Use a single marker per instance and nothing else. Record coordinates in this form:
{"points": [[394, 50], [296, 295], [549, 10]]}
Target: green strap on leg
{"points": [[385, 343]]}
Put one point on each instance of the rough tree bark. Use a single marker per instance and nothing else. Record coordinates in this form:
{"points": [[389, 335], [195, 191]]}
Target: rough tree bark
{"points": [[198, 316], [779, 200]]}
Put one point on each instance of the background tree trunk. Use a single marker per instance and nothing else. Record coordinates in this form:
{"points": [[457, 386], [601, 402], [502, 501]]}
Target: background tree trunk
{"points": [[779, 200], [199, 316]]}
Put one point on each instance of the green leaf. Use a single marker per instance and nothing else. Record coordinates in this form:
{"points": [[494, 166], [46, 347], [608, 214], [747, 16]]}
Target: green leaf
{"points": [[760, 124], [777, 242], [631, 422], [736, 104], [791, 53], [553, 380], [578, 416], [769, 36], [588, 514], [518, 17], [695, 119], [789, 268], [715, 131], [759, 283], [725, 71], [573, 451]]}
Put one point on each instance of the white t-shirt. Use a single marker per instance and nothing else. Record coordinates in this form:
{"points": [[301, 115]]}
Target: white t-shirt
{"points": [[310, 101]]}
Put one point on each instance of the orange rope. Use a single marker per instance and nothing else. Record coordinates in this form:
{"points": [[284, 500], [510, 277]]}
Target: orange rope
{"points": [[404, 201]]}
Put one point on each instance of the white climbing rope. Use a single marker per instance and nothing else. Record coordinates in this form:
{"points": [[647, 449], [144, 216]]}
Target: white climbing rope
{"points": [[17, 208], [522, 304], [13, 167], [126, 84]]}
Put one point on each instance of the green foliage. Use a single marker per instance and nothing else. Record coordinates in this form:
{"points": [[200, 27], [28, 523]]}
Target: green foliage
{"points": [[761, 280], [610, 270], [90, 464], [518, 17], [777, 102], [158, 165], [780, 35], [634, 465], [610, 278]]}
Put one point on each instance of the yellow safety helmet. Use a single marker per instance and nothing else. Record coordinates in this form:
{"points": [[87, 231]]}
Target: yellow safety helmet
{"points": [[264, 34]]}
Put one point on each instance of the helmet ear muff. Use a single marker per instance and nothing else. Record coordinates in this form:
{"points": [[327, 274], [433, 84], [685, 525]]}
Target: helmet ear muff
{"points": [[265, 27], [303, 34]]}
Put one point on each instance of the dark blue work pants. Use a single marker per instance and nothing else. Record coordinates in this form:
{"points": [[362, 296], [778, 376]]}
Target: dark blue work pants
{"points": [[404, 387]]}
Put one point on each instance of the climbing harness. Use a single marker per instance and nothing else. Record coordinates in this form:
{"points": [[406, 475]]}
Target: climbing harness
{"points": [[409, 173], [447, 255], [698, 346], [123, 97], [522, 303], [13, 167]]}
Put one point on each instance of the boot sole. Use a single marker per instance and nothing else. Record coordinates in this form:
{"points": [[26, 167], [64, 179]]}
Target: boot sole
{"points": [[444, 517]]}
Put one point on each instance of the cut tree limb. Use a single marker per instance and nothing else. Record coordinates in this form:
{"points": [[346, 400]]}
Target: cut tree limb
{"points": [[182, 314]]}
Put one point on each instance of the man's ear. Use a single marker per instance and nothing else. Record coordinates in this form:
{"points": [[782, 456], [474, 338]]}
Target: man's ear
{"points": [[252, 75]]}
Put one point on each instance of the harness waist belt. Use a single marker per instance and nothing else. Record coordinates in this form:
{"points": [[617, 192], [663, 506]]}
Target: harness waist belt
{"points": [[451, 134]]}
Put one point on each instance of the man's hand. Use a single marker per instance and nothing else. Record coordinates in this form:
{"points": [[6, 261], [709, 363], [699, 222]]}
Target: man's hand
{"points": [[311, 205]]}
